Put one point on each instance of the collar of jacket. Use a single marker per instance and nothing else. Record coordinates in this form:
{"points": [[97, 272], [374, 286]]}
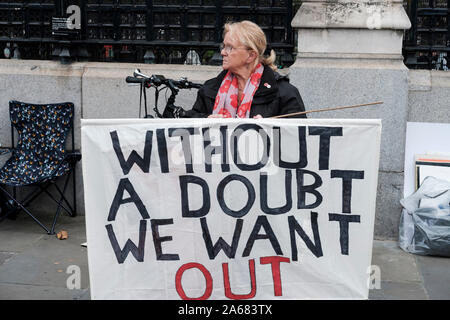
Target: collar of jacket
{"points": [[267, 90]]}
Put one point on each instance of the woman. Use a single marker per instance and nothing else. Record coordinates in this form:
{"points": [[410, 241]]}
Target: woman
{"points": [[248, 87]]}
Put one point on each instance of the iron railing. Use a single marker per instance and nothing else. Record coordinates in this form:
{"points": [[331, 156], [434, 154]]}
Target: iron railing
{"points": [[427, 43], [147, 31]]}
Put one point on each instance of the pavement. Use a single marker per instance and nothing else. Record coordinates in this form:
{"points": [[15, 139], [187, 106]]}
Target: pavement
{"points": [[37, 266]]}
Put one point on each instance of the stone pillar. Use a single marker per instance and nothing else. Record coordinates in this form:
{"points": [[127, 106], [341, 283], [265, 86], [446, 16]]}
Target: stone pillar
{"points": [[350, 52]]}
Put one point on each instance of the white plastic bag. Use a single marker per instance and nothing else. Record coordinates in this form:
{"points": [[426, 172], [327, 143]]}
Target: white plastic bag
{"points": [[425, 219]]}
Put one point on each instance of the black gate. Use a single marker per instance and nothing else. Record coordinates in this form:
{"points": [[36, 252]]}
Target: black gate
{"points": [[143, 31], [427, 43]]}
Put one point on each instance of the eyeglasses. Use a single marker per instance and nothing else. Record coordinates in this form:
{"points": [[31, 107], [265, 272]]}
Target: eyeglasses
{"points": [[229, 48]]}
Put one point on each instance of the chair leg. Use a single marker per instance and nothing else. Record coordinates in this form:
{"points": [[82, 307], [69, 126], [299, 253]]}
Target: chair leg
{"points": [[28, 199], [58, 211], [59, 203], [26, 210], [60, 206], [71, 213], [74, 209], [74, 193], [43, 189], [31, 196], [56, 201]]}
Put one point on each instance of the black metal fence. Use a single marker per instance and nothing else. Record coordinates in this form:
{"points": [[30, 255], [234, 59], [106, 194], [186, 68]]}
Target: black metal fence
{"points": [[185, 31], [427, 44], [144, 31]]}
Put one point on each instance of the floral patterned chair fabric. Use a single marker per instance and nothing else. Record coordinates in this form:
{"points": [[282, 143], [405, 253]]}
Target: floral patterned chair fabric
{"points": [[40, 151]]}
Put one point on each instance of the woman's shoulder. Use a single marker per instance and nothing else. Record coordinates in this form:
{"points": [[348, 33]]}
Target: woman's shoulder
{"points": [[281, 78], [216, 81], [284, 85], [211, 86]]}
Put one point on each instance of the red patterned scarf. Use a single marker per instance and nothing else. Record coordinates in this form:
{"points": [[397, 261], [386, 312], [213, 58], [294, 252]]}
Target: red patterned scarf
{"points": [[227, 97]]}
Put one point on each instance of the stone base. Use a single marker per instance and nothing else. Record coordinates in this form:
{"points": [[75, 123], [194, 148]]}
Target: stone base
{"points": [[344, 80], [389, 193], [362, 41]]}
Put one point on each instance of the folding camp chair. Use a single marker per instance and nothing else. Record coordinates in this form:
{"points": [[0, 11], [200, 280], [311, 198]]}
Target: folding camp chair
{"points": [[40, 157]]}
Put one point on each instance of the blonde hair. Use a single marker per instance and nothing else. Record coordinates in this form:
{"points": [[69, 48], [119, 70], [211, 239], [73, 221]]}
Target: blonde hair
{"points": [[252, 36]]}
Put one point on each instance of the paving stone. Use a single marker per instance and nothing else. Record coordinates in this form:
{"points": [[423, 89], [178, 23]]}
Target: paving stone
{"points": [[31, 292], [17, 235], [5, 256], [33, 265], [399, 291], [42, 260], [46, 263], [436, 276], [395, 264]]}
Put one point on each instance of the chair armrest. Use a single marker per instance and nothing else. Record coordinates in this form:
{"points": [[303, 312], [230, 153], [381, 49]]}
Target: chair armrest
{"points": [[73, 157]]}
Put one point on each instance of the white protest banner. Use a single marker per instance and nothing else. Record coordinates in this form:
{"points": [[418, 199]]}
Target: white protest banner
{"points": [[230, 209]]}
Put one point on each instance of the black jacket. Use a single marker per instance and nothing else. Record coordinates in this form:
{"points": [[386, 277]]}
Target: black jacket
{"points": [[274, 96]]}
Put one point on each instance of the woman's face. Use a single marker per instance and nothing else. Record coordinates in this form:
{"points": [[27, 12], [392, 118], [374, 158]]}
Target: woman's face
{"points": [[235, 55]]}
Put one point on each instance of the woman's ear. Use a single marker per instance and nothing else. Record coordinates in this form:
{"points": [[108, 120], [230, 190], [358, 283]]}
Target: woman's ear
{"points": [[252, 56]]}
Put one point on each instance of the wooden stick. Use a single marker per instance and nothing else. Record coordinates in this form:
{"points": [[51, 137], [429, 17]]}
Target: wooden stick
{"points": [[327, 109]]}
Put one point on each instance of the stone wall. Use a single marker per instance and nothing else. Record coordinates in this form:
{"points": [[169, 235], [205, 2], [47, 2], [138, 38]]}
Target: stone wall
{"points": [[99, 91], [429, 96]]}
